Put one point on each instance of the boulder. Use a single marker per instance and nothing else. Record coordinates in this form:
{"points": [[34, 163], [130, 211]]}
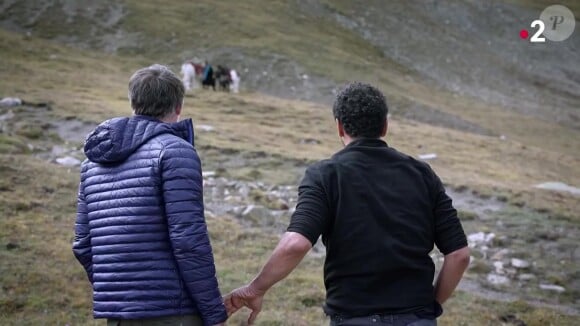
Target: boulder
{"points": [[7, 116], [501, 254], [559, 186], [10, 102], [480, 238], [510, 271], [68, 161], [495, 279], [552, 287], [12, 246], [282, 204], [520, 263], [258, 215], [502, 241], [243, 189], [309, 141], [498, 265], [207, 128], [428, 156], [526, 277], [237, 210]]}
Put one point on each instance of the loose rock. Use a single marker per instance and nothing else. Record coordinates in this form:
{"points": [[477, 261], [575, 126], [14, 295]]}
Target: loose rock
{"points": [[282, 204], [68, 161], [310, 141], [207, 128], [559, 186], [480, 238], [500, 254], [12, 246], [519, 263], [7, 116], [526, 277], [259, 215], [427, 157], [10, 101], [498, 265], [497, 279], [552, 287]]}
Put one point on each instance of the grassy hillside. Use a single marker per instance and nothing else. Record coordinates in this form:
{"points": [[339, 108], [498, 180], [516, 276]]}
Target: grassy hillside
{"points": [[258, 137], [282, 39]]}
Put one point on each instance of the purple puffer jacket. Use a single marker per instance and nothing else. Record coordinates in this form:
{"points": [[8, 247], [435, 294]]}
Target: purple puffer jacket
{"points": [[140, 231]]}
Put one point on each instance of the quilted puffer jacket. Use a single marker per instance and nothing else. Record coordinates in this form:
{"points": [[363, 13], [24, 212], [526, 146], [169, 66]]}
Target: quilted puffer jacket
{"points": [[140, 231]]}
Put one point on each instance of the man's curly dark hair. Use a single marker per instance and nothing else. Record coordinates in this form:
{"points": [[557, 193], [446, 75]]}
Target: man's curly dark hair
{"points": [[362, 110]]}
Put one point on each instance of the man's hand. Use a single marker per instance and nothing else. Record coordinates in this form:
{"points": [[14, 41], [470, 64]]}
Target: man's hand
{"points": [[246, 296], [289, 252]]}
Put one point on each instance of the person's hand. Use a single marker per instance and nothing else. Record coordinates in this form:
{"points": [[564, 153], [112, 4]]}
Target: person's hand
{"points": [[246, 296]]}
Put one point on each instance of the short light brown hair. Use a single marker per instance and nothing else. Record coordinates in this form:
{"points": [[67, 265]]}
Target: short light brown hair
{"points": [[155, 91]]}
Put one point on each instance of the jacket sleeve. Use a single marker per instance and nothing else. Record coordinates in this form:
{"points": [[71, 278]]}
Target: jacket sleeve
{"points": [[82, 241], [183, 196]]}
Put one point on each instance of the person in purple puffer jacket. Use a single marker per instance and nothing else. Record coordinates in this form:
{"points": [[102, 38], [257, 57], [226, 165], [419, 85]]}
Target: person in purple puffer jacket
{"points": [[140, 230]]}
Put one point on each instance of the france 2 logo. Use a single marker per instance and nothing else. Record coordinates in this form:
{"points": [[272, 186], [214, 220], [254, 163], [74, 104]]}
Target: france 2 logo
{"points": [[556, 24]]}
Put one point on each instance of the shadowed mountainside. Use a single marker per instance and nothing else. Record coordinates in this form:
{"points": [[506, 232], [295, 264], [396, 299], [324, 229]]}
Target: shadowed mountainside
{"points": [[303, 49]]}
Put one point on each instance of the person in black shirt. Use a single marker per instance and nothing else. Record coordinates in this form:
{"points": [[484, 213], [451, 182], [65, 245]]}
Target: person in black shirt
{"points": [[380, 213]]}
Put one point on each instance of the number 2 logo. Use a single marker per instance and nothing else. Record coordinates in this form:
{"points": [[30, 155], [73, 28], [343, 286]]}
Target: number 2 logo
{"points": [[561, 23], [538, 37]]}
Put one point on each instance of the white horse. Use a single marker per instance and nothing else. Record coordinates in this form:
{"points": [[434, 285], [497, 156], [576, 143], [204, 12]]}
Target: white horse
{"points": [[235, 84], [188, 73]]}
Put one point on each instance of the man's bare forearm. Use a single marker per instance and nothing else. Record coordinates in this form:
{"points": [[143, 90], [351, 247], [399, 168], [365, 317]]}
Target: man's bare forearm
{"points": [[453, 268], [287, 255]]}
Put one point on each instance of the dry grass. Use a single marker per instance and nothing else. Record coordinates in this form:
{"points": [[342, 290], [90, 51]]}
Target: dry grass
{"points": [[79, 83], [492, 165], [40, 283], [542, 4], [43, 285]]}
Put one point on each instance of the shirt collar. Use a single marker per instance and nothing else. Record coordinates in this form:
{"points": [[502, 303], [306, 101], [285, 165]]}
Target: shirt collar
{"points": [[367, 142]]}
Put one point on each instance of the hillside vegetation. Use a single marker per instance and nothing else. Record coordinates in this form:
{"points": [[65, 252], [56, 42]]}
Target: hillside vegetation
{"points": [[77, 58]]}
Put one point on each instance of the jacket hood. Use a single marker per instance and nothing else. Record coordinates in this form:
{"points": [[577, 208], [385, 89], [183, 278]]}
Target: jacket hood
{"points": [[116, 139]]}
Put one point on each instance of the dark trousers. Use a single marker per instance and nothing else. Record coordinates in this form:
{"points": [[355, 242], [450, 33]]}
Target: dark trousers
{"points": [[187, 320], [391, 320]]}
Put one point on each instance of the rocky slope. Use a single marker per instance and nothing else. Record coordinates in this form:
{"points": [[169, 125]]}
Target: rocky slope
{"points": [[469, 48]]}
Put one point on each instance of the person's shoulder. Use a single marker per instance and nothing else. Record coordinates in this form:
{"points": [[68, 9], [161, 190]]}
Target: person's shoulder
{"points": [[173, 145], [322, 170], [322, 165], [422, 166], [173, 141]]}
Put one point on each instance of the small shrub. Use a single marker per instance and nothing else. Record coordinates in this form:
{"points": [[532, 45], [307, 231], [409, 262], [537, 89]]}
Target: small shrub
{"points": [[31, 132], [467, 215]]}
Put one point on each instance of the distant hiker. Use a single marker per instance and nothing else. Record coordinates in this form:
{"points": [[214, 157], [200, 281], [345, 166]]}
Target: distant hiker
{"points": [[188, 74], [208, 79], [140, 230], [380, 213], [198, 70], [235, 78], [223, 77]]}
